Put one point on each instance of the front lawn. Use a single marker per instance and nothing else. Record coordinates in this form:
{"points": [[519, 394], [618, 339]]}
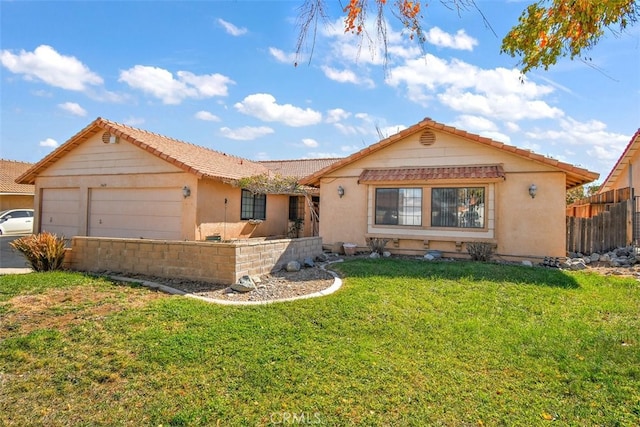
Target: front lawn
{"points": [[404, 342]]}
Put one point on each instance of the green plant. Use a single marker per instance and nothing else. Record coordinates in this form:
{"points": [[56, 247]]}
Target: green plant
{"points": [[377, 244], [480, 251], [44, 251]]}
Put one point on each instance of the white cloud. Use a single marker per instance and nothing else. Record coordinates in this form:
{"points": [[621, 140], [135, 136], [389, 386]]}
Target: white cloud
{"points": [[346, 76], [336, 115], [134, 121], [387, 131], [48, 66], [245, 133], [264, 107], [602, 146], [350, 148], [309, 142], [460, 40], [232, 29], [498, 93], [281, 56], [207, 116], [73, 108], [161, 83], [49, 142]]}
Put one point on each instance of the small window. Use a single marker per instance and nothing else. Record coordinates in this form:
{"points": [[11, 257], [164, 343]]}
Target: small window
{"points": [[253, 206], [457, 207], [296, 208], [398, 206]]}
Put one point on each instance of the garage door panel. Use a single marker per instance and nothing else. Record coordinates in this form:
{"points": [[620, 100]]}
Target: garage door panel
{"points": [[60, 210], [136, 207], [152, 213]]}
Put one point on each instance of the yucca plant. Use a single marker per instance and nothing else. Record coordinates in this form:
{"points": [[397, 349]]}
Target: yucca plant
{"points": [[43, 251]]}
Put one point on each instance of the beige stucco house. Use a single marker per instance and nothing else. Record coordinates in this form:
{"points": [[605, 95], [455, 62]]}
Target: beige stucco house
{"points": [[626, 172], [435, 187], [113, 180], [12, 194]]}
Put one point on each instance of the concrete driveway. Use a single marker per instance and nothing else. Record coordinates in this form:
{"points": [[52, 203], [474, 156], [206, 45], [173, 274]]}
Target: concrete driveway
{"points": [[11, 261]]}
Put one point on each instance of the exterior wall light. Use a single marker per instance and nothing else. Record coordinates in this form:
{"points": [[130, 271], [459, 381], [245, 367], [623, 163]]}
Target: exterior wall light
{"points": [[186, 191], [533, 190], [340, 191]]}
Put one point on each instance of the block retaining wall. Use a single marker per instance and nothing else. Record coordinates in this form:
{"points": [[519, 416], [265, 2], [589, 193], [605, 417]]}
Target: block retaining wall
{"points": [[223, 263]]}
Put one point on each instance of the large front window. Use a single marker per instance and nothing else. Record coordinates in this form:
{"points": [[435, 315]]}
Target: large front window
{"points": [[253, 206], [399, 206], [457, 207]]}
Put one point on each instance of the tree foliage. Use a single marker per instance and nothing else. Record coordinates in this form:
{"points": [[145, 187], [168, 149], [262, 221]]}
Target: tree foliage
{"points": [[547, 30], [564, 28], [267, 184], [581, 192]]}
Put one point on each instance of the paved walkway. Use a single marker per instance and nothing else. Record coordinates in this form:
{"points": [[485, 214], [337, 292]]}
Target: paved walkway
{"points": [[15, 271]]}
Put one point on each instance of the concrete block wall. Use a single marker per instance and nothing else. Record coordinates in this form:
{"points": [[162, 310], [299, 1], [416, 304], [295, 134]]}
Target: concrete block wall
{"points": [[222, 263]]}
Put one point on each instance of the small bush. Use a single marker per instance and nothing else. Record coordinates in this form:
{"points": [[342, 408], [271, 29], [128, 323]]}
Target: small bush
{"points": [[44, 251], [480, 251], [377, 244]]}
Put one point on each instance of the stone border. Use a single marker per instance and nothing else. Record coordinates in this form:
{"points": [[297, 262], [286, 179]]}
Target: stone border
{"points": [[337, 284]]}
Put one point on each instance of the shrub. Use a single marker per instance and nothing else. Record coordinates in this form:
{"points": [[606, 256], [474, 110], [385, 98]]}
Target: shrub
{"points": [[480, 251], [44, 251], [377, 244]]}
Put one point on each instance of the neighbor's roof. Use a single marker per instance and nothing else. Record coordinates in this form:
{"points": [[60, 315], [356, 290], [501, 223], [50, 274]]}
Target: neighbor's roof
{"points": [[9, 171], [632, 147], [574, 175], [191, 158], [297, 168]]}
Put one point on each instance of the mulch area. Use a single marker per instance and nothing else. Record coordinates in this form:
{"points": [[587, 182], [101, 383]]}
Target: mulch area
{"points": [[269, 287]]}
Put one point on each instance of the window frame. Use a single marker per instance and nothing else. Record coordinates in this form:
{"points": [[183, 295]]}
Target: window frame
{"points": [[258, 206], [416, 192], [456, 204]]}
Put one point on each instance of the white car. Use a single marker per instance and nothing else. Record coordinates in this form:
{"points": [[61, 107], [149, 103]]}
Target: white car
{"points": [[16, 221]]}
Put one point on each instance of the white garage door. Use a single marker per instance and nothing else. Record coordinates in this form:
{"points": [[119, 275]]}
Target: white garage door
{"points": [[150, 213], [60, 211]]}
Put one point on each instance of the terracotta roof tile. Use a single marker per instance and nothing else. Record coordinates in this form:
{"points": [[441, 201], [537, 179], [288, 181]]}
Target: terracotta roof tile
{"points": [[9, 171], [191, 158], [574, 175], [297, 168], [436, 173]]}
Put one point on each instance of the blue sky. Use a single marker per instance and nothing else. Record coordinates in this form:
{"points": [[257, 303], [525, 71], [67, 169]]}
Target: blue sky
{"points": [[221, 74]]}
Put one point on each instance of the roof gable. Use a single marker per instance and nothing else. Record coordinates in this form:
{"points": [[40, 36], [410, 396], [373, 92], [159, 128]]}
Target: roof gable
{"points": [[9, 171], [632, 148], [574, 175], [200, 161]]}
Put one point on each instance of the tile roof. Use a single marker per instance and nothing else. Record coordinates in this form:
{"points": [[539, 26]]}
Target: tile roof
{"points": [[574, 175], [426, 174], [632, 147], [9, 171], [297, 168], [191, 158]]}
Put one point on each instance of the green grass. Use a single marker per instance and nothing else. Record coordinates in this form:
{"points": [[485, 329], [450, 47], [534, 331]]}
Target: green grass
{"points": [[404, 342]]}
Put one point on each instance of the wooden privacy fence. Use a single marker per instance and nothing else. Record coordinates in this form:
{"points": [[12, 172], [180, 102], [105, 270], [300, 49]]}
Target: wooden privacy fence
{"points": [[600, 233]]}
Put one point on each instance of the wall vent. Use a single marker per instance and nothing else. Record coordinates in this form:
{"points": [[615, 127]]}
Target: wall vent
{"points": [[427, 138], [108, 138]]}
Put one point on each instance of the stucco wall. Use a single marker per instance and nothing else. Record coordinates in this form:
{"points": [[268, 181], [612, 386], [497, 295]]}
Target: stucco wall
{"points": [[16, 201], [519, 225], [214, 217], [223, 263]]}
